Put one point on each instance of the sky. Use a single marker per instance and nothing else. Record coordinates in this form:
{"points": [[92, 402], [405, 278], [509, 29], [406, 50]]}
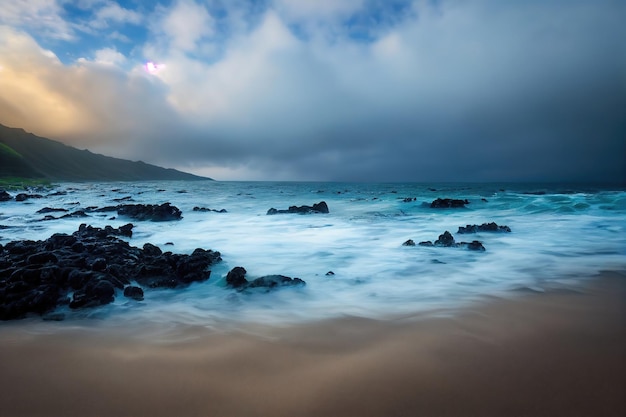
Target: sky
{"points": [[326, 90]]}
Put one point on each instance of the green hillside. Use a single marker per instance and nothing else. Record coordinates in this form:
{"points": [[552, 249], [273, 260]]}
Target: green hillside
{"points": [[25, 155]]}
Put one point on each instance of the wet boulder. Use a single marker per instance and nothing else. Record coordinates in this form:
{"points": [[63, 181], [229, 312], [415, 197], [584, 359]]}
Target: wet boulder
{"points": [[150, 212], [446, 239], [236, 277], [133, 292], [485, 227], [274, 281], [448, 203], [320, 207], [4, 196]]}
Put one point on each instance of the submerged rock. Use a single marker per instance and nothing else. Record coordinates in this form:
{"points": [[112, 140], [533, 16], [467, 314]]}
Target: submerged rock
{"points": [[320, 207]]}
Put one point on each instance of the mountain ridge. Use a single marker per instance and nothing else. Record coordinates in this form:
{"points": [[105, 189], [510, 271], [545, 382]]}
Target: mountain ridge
{"points": [[23, 154]]}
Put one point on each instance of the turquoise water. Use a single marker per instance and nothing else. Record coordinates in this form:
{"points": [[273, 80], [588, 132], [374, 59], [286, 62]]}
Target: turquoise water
{"points": [[559, 234]]}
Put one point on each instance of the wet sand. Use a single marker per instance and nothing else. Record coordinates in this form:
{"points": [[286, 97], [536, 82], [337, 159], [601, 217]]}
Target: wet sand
{"points": [[557, 353]]}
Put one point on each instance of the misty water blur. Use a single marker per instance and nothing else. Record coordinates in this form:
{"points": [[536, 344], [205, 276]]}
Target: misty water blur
{"points": [[558, 234]]}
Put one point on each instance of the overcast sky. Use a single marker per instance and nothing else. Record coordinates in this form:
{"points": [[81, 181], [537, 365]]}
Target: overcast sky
{"points": [[344, 90]]}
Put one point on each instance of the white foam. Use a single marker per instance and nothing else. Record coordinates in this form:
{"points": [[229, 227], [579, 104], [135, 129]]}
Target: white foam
{"points": [[555, 236]]}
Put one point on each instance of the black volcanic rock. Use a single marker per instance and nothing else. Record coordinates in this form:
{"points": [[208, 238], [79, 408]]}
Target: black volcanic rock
{"points": [[448, 203], [205, 209], [236, 279], [4, 196], [133, 292], [320, 207], [409, 242], [24, 196], [46, 210], [273, 281], [446, 239], [152, 212], [92, 264], [485, 227]]}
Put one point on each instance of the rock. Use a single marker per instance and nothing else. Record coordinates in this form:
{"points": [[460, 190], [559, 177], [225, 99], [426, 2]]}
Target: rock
{"points": [[409, 199], [448, 203], [51, 210], [236, 277], [320, 207], [99, 264], [4, 196], [445, 239], [330, 273], [475, 245], [485, 227], [209, 209], [151, 250], [409, 242], [90, 265], [93, 294], [151, 212], [133, 292], [24, 196], [273, 281]]}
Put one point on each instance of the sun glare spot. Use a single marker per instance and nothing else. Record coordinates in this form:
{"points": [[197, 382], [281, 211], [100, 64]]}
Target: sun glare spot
{"points": [[153, 67]]}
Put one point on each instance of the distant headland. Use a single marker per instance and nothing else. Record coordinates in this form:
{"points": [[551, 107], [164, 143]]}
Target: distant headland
{"points": [[24, 155]]}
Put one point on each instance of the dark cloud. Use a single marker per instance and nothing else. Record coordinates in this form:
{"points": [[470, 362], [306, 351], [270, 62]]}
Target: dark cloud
{"points": [[445, 91]]}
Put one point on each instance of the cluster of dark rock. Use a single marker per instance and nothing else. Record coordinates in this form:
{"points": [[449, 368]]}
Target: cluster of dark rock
{"points": [[144, 212], [236, 278], [5, 196], [449, 203], [485, 227], [320, 207], [87, 269], [206, 209], [447, 240]]}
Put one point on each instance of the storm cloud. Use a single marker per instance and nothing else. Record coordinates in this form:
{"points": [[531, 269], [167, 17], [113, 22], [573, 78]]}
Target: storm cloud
{"points": [[356, 90]]}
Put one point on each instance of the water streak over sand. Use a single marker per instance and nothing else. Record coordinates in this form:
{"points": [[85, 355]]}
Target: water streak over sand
{"points": [[558, 353]]}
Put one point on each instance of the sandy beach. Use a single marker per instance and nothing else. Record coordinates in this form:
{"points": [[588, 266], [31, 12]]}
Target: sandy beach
{"points": [[561, 352]]}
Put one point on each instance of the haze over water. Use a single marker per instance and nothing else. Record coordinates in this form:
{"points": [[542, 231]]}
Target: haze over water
{"points": [[559, 233]]}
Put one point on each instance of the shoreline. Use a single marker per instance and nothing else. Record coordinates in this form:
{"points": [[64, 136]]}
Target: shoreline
{"points": [[560, 352]]}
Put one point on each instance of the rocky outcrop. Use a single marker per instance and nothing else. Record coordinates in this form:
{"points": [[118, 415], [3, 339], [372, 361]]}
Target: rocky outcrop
{"points": [[448, 203], [4, 196], [320, 207], [90, 266], [446, 240], [144, 212], [204, 209], [24, 196], [485, 227], [236, 279]]}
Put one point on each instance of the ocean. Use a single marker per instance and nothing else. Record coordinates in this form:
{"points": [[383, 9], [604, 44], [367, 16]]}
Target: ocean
{"points": [[353, 258]]}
